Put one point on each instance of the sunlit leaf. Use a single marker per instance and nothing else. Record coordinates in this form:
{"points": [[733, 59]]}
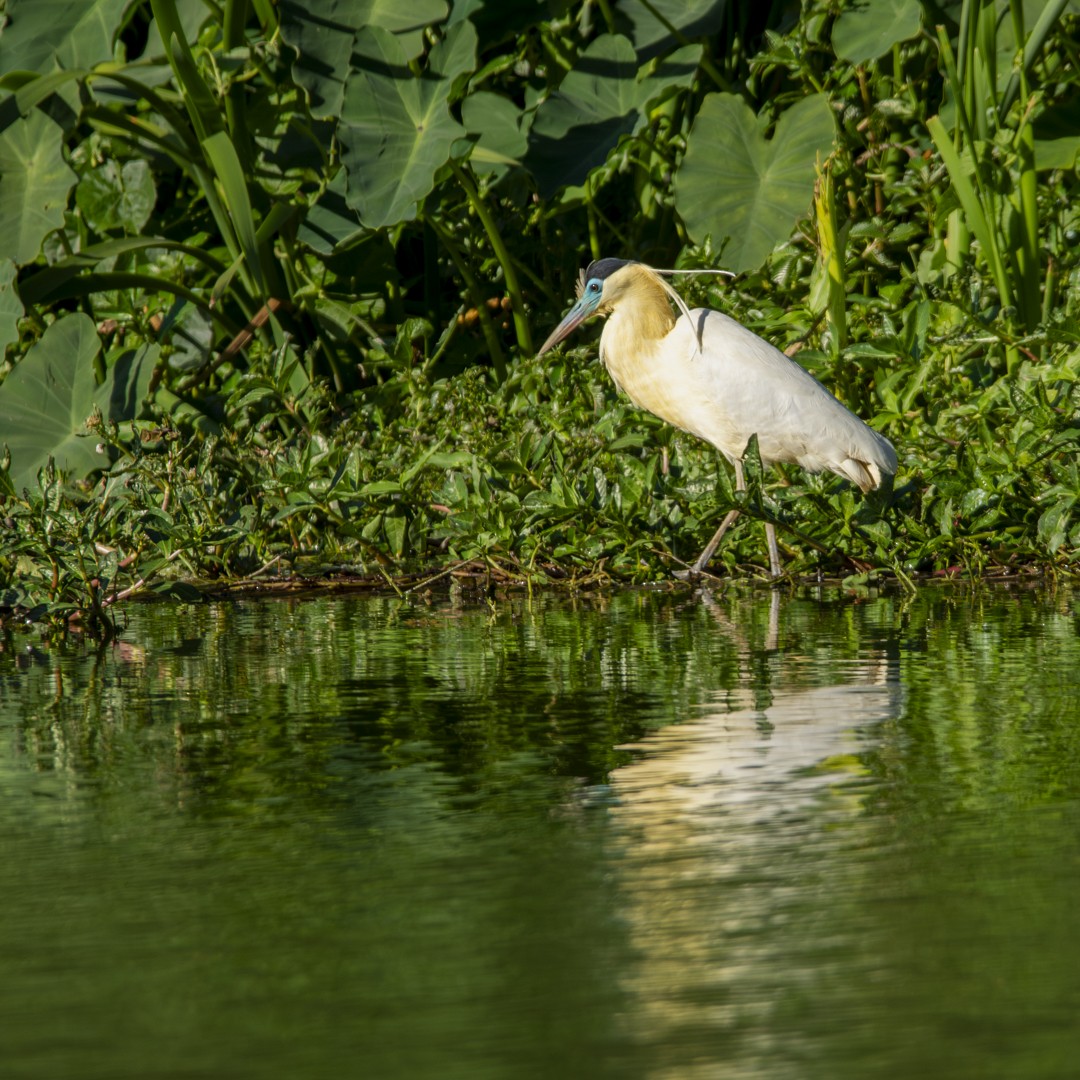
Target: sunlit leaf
{"points": [[324, 36], [735, 183], [870, 29], [41, 34], [396, 130]]}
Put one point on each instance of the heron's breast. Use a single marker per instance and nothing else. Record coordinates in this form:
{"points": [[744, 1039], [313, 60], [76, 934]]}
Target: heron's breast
{"points": [[661, 377]]}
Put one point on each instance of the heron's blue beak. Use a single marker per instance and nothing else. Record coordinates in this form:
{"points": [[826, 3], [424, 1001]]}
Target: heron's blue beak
{"points": [[585, 307]]}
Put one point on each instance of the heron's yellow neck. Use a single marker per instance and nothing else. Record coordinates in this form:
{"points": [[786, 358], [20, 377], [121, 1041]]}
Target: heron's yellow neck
{"points": [[640, 314]]}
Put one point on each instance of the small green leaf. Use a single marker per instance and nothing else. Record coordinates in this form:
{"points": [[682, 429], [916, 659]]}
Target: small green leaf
{"points": [[380, 487], [115, 196]]}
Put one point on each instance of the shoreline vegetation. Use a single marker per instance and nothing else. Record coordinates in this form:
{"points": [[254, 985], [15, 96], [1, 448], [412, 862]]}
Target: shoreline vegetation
{"points": [[274, 285]]}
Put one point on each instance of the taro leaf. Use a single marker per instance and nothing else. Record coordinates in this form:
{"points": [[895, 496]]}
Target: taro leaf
{"points": [[34, 184], [330, 221], [292, 148], [11, 309], [737, 184], [497, 21], [127, 383], [191, 14], [598, 102], [325, 40], [42, 34], [46, 400], [495, 119], [115, 196], [1056, 153], [396, 130], [1057, 136], [674, 70], [864, 33], [649, 26], [51, 393]]}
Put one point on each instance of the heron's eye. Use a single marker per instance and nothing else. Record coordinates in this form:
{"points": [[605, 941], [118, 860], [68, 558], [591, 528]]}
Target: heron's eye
{"points": [[594, 286]]}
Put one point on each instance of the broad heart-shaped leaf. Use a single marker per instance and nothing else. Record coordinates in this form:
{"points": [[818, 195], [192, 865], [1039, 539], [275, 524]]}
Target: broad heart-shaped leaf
{"points": [[46, 400], [324, 34], [51, 393], [650, 26], [872, 28], [396, 130], [11, 309], [40, 34], [736, 184], [330, 221], [602, 99], [34, 184]]}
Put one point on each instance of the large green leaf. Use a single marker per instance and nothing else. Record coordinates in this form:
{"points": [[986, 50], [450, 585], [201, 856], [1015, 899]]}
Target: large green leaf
{"points": [[41, 34], [495, 121], [649, 25], [34, 184], [330, 221], [602, 99], [46, 400], [51, 393], [581, 123], [864, 33], [11, 309], [736, 184], [324, 37], [396, 130]]}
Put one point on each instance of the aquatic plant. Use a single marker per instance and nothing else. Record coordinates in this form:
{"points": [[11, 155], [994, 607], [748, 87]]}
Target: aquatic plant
{"points": [[269, 301]]}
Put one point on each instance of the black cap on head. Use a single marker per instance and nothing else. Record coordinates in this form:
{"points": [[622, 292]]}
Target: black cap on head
{"points": [[603, 268]]}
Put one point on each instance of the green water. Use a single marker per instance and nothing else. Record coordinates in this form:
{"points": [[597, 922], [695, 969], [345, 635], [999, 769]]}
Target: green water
{"points": [[642, 835]]}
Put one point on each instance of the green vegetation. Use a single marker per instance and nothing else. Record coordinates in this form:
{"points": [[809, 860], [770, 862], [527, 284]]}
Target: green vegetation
{"points": [[273, 279]]}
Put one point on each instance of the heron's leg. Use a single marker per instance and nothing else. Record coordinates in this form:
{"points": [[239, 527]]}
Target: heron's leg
{"points": [[774, 551], [729, 520]]}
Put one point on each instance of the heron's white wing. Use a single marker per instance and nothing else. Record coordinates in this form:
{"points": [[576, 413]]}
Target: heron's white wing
{"points": [[751, 387]]}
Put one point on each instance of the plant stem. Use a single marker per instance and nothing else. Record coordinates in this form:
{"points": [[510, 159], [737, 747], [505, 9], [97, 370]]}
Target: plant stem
{"points": [[487, 326], [513, 288]]}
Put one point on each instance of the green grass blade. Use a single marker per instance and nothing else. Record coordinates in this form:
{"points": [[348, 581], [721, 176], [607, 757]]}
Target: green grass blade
{"points": [[201, 104], [99, 282], [1048, 17], [226, 164], [972, 205]]}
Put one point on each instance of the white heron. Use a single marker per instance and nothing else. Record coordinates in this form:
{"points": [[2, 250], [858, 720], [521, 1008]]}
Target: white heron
{"points": [[708, 375]]}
